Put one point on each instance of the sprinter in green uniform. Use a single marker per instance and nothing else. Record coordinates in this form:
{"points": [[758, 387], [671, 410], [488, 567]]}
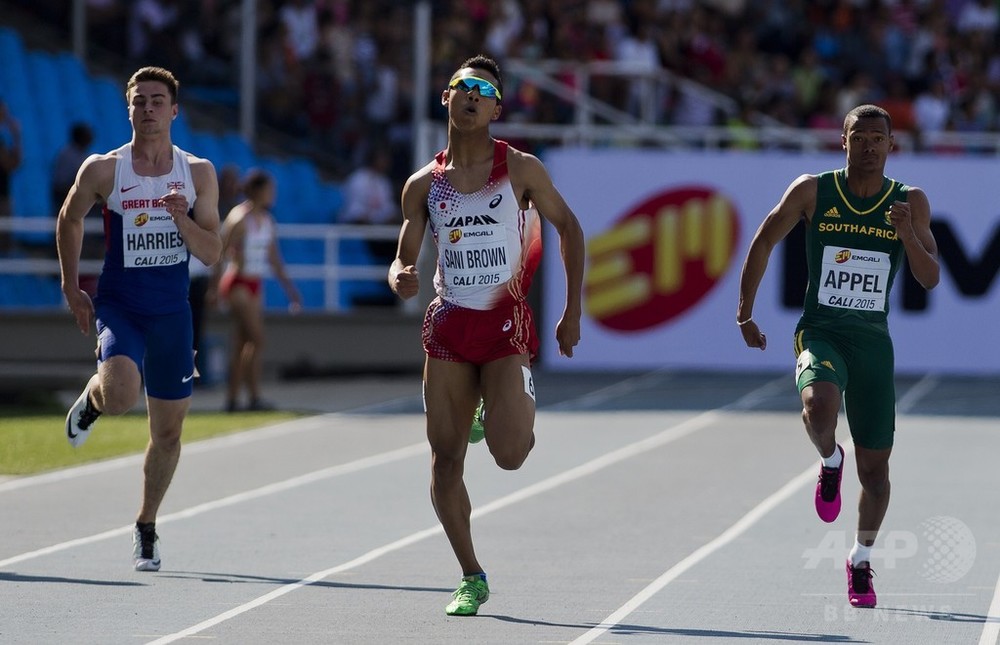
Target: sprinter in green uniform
{"points": [[859, 224]]}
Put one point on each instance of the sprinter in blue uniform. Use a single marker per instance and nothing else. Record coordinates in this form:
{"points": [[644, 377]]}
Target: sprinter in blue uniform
{"points": [[160, 207]]}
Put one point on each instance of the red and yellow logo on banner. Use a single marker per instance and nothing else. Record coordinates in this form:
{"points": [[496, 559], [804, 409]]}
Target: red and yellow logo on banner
{"points": [[660, 258]]}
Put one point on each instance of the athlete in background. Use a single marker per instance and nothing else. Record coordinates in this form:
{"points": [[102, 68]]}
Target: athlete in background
{"points": [[250, 249]]}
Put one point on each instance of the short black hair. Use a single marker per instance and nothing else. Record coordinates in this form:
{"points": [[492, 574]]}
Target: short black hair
{"points": [[485, 63], [867, 112]]}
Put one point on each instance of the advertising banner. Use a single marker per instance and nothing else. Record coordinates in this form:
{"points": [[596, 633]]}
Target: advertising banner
{"points": [[667, 232]]}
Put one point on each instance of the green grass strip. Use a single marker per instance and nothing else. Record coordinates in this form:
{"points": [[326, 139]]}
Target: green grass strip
{"points": [[33, 442]]}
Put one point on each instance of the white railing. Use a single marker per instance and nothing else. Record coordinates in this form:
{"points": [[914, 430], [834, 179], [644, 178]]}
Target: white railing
{"points": [[331, 271]]}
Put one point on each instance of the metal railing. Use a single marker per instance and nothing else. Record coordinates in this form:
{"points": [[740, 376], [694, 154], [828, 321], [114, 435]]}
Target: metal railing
{"points": [[332, 271]]}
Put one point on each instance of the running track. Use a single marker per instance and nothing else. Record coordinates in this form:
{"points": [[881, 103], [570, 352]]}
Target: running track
{"points": [[657, 507]]}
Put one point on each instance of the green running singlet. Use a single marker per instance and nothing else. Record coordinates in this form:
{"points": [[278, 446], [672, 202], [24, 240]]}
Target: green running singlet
{"points": [[852, 255]]}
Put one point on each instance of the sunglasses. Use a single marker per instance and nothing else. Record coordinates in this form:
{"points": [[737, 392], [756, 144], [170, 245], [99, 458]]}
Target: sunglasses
{"points": [[486, 89]]}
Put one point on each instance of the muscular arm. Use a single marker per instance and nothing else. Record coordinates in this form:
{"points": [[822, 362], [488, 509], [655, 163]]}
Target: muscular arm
{"points": [[201, 234], [798, 202], [912, 220], [93, 181], [403, 278], [528, 172]]}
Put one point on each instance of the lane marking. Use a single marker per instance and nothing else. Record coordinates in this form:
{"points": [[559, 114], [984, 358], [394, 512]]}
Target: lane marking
{"points": [[745, 523], [741, 526], [373, 461], [991, 626], [916, 392], [662, 438]]}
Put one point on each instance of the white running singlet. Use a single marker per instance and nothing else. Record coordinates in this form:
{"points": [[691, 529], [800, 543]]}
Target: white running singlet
{"points": [[488, 247]]}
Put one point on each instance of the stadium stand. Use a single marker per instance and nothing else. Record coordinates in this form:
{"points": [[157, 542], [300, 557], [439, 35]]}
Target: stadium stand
{"points": [[45, 114]]}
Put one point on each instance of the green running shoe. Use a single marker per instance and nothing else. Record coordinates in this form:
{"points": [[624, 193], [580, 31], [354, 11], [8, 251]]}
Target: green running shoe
{"points": [[478, 431], [470, 594]]}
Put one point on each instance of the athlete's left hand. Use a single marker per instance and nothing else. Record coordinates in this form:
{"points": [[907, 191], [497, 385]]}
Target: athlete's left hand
{"points": [[568, 335], [176, 204], [899, 217], [753, 336]]}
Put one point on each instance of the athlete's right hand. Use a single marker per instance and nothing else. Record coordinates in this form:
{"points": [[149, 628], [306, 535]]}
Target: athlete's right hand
{"points": [[753, 336], [406, 282], [82, 307]]}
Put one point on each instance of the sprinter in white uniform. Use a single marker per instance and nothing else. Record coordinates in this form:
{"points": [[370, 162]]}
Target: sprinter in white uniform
{"points": [[482, 199], [250, 249]]}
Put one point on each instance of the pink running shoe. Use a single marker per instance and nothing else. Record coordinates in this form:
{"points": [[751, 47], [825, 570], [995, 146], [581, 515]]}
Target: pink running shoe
{"points": [[860, 590], [828, 490]]}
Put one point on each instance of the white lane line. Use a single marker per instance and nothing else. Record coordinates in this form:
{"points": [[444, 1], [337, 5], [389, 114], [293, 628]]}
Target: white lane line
{"points": [[727, 536], [916, 392], [664, 437], [991, 627], [597, 397], [373, 461]]}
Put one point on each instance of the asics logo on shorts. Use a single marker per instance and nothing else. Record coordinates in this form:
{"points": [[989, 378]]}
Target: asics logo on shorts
{"points": [[507, 325]]}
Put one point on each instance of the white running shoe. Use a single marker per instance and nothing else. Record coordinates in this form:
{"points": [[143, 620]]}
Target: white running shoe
{"points": [[145, 549], [80, 420]]}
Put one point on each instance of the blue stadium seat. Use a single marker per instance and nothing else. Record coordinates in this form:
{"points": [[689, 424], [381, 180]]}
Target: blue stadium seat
{"points": [[180, 132], [75, 81], [13, 74], [312, 292], [33, 291], [32, 197], [302, 251], [206, 145], [237, 151], [47, 104], [332, 196], [114, 128], [354, 252]]}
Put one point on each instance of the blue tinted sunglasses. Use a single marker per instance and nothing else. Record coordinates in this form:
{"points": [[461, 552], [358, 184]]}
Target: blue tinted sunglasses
{"points": [[486, 89]]}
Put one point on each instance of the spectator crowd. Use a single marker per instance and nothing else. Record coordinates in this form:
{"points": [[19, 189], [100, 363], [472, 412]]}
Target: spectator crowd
{"points": [[337, 74]]}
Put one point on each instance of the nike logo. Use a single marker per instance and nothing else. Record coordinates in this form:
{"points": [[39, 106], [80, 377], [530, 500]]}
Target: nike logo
{"points": [[187, 378], [125, 190]]}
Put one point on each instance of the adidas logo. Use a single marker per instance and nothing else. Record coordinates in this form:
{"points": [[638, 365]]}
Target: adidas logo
{"points": [[833, 212]]}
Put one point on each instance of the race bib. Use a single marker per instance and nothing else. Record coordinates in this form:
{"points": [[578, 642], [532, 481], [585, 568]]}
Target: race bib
{"points": [[854, 279], [476, 256], [151, 239]]}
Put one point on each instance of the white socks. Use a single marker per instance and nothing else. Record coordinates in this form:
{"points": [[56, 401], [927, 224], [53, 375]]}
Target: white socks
{"points": [[834, 460], [860, 553]]}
